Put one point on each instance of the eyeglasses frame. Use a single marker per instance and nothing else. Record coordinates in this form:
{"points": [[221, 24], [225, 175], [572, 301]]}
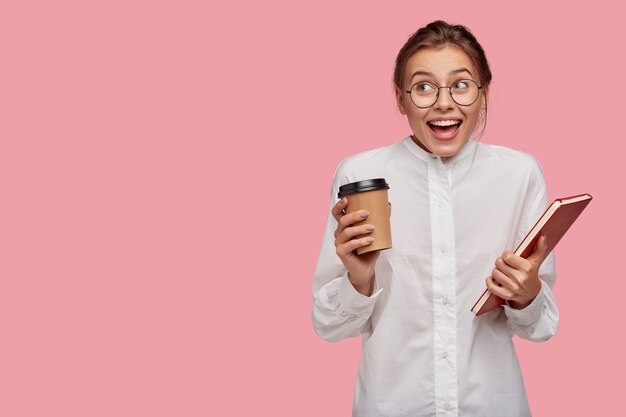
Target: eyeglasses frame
{"points": [[480, 87]]}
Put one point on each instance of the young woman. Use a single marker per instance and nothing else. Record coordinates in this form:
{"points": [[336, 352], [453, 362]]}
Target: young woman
{"points": [[457, 204]]}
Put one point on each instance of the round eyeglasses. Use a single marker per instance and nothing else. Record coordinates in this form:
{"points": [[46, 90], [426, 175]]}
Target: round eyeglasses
{"points": [[463, 92]]}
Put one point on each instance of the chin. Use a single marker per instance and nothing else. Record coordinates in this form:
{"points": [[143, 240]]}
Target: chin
{"points": [[442, 148], [446, 150]]}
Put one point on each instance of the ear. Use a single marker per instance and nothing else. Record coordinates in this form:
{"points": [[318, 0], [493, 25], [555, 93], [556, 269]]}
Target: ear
{"points": [[484, 98], [400, 99]]}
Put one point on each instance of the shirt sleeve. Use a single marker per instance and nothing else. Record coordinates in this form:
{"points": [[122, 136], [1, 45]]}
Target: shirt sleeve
{"points": [[540, 319], [339, 311]]}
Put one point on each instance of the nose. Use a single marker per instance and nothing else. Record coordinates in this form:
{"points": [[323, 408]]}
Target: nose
{"points": [[444, 99]]}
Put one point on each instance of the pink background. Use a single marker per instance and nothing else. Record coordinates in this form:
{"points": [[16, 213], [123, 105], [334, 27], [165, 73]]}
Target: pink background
{"points": [[165, 169]]}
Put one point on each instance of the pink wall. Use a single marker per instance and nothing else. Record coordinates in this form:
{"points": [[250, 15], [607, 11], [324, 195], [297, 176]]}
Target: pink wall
{"points": [[165, 171]]}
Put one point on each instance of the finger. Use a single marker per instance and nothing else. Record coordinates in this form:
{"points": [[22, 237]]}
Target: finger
{"points": [[513, 262], [350, 232], [517, 267], [540, 253], [345, 251], [337, 210], [499, 291], [349, 219], [505, 281]]}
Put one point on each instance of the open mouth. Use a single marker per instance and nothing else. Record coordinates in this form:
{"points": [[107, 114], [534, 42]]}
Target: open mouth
{"points": [[444, 127]]}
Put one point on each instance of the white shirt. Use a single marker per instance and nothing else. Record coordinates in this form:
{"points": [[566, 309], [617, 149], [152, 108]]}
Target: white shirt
{"points": [[424, 353]]}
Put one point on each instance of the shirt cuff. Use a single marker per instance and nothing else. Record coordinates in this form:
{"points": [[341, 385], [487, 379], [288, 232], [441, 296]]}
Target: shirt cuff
{"points": [[529, 314], [352, 301]]}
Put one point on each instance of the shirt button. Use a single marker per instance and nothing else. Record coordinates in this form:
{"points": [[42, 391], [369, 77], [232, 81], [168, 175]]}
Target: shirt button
{"points": [[444, 300], [442, 250], [444, 355], [446, 406]]}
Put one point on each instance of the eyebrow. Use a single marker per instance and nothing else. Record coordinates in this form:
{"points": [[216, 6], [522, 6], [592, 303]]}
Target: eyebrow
{"points": [[456, 71]]}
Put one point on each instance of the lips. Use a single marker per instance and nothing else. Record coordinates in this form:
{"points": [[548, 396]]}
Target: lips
{"points": [[444, 129]]}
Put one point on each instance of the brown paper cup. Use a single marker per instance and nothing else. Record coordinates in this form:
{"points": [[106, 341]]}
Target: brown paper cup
{"points": [[376, 202]]}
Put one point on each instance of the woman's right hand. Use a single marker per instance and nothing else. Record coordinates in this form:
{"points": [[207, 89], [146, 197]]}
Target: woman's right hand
{"points": [[360, 267]]}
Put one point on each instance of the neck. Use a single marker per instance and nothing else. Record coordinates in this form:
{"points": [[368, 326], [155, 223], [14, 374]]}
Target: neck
{"points": [[421, 145]]}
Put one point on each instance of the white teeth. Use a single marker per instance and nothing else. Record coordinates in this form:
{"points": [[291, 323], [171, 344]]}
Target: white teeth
{"points": [[444, 122]]}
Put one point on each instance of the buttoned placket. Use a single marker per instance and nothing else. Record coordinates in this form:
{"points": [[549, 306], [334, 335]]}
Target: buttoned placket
{"points": [[444, 284]]}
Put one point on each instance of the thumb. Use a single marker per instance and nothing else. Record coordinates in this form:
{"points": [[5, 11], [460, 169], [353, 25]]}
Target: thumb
{"points": [[540, 253]]}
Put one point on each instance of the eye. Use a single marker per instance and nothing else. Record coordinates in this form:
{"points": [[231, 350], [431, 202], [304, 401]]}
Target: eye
{"points": [[424, 88], [460, 85]]}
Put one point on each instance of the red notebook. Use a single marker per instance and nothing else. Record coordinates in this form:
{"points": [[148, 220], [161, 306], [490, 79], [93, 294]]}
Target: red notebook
{"points": [[554, 223]]}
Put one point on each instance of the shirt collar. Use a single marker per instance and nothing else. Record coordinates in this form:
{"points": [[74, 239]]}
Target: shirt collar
{"points": [[468, 149]]}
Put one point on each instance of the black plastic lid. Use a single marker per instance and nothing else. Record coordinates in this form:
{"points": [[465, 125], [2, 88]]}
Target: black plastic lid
{"points": [[362, 186]]}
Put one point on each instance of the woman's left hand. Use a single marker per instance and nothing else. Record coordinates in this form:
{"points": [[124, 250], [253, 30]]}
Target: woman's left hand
{"points": [[517, 279]]}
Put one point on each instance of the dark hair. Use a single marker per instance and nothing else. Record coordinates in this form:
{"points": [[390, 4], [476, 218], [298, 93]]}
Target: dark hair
{"points": [[438, 34]]}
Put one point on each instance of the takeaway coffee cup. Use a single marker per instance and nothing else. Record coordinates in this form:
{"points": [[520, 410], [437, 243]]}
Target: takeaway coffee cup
{"points": [[370, 195]]}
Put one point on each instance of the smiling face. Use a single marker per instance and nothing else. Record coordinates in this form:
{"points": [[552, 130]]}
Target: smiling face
{"points": [[445, 127]]}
